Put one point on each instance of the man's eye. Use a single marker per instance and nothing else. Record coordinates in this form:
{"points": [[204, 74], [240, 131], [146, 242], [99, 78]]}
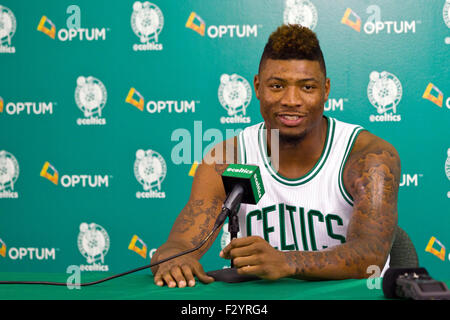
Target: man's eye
{"points": [[308, 87], [276, 86]]}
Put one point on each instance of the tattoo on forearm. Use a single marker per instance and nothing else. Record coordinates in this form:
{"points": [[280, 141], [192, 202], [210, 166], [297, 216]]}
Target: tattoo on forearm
{"points": [[186, 219], [197, 218], [210, 215]]}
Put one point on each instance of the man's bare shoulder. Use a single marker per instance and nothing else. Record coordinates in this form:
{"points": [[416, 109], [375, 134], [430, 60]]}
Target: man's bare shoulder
{"points": [[371, 154], [367, 142], [221, 155]]}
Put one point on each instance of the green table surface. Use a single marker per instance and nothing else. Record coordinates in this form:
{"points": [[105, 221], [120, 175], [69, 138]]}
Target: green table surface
{"points": [[140, 286]]}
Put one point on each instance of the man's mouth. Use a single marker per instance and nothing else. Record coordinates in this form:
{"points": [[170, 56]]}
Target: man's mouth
{"points": [[290, 120]]}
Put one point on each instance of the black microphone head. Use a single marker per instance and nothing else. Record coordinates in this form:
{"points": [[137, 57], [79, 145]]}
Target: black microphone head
{"points": [[390, 277], [249, 177]]}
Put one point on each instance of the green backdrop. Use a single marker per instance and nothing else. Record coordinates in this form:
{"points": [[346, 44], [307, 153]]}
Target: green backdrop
{"points": [[388, 61]]}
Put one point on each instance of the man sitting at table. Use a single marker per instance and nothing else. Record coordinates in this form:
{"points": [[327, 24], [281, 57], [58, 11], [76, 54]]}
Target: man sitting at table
{"points": [[330, 207]]}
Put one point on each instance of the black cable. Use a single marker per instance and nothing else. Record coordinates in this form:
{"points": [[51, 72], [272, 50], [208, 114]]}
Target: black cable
{"points": [[216, 226]]}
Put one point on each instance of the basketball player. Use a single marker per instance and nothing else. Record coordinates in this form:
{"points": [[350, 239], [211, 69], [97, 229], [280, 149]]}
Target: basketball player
{"points": [[330, 207]]}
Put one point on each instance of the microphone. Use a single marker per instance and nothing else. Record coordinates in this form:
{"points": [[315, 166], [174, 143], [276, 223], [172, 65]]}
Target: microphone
{"points": [[243, 184], [413, 283]]}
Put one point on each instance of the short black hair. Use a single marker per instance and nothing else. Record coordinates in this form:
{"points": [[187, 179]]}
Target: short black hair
{"points": [[293, 41]]}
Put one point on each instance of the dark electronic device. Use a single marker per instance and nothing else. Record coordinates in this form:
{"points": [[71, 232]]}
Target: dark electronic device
{"points": [[413, 283]]}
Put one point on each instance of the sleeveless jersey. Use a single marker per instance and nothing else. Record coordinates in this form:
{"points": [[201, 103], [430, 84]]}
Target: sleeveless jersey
{"points": [[309, 213]]}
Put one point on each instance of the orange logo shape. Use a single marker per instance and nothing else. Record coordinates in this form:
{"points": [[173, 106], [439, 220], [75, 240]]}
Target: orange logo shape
{"points": [[1, 104], [138, 104], [436, 100], [355, 24], [441, 253], [2, 249], [199, 28], [52, 177], [48, 31], [193, 169], [141, 251]]}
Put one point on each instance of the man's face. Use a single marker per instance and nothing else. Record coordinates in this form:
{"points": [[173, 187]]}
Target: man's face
{"points": [[292, 94]]}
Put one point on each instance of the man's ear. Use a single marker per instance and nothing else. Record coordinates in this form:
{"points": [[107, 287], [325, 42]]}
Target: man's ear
{"points": [[327, 88], [256, 84]]}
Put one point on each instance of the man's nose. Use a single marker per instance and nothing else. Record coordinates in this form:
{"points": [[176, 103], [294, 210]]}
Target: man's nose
{"points": [[292, 97]]}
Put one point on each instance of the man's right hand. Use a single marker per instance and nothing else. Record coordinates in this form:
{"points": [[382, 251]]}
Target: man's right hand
{"points": [[180, 271]]}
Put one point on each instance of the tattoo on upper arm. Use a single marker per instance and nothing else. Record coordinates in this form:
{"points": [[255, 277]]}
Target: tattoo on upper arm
{"points": [[378, 172], [373, 180], [220, 168]]}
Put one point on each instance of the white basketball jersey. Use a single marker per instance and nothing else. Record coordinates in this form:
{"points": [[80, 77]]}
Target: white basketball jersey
{"points": [[309, 213]]}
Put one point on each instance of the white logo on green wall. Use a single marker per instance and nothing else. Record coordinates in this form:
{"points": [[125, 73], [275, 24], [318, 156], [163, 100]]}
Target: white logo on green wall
{"points": [[446, 13], [235, 95], [150, 170], [7, 29], [447, 170], [93, 243], [9, 172], [384, 92], [90, 97], [301, 12], [447, 164], [375, 25], [147, 22]]}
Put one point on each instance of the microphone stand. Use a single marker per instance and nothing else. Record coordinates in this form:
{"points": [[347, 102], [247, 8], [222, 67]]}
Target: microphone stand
{"points": [[230, 275]]}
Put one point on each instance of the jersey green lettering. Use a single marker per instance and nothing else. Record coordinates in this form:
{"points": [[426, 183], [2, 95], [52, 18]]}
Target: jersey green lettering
{"points": [[330, 232], [291, 210], [301, 214], [311, 214], [266, 228], [255, 213], [284, 246]]}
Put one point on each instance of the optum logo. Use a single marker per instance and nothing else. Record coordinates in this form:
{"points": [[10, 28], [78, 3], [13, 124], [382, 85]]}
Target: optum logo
{"points": [[32, 253], [49, 172], [84, 180]]}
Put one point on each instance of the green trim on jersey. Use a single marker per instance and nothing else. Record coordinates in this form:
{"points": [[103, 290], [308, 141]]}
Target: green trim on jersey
{"points": [[242, 158], [350, 144], [262, 142]]}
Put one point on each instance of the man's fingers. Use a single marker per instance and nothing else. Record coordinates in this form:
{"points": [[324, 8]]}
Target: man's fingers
{"points": [[178, 275], [201, 275], [181, 274], [188, 275], [245, 261], [243, 252], [158, 279], [169, 280], [241, 247], [252, 270]]}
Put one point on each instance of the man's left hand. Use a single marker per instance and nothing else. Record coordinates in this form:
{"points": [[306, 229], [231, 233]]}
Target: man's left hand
{"points": [[255, 256]]}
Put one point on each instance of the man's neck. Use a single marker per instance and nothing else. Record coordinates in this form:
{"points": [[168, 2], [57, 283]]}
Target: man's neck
{"points": [[298, 157]]}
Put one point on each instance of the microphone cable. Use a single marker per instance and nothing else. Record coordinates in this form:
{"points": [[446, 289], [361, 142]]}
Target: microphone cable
{"points": [[218, 223]]}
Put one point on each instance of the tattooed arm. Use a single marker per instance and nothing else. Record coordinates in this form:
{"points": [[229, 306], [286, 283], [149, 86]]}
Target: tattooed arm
{"points": [[196, 221], [371, 175]]}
